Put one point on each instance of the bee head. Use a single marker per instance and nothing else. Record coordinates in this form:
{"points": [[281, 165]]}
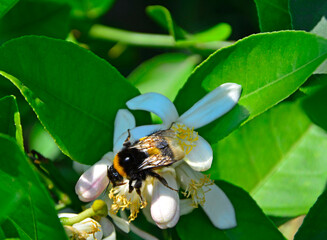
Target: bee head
{"points": [[114, 176]]}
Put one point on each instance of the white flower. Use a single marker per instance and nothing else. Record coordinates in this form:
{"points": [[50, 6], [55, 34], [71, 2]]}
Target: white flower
{"points": [[198, 151], [89, 229], [94, 181], [165, 204]]}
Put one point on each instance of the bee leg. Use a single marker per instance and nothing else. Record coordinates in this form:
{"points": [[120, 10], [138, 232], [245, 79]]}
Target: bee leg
{"points": [[161, 179], [127, 143], [137, 187], [130, 186]]}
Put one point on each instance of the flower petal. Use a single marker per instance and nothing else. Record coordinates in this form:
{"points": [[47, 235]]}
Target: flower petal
{"points": [[93, 182], [89, 226], [157, 104], [108, 228], [200, 157], [124, 120], [136, 134], [219, 209], [186, 206], [142, 234], [165, 202], [212, 106], [119, 222]]}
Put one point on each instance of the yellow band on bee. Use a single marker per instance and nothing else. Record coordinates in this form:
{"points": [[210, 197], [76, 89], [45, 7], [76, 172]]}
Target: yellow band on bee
{"points": [[118, 167]]}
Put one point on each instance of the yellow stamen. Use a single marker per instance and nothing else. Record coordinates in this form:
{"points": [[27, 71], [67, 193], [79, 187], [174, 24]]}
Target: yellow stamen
{"points": [[197, 189], [120, 201], [186, 137]]}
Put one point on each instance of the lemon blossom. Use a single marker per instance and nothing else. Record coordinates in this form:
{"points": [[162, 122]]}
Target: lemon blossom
{"points": [[94, 181], [198, 154], [165, 205], [89, 229]]}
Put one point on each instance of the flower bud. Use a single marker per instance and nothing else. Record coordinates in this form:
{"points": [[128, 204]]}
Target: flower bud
{"points": [[93, 182], [165, 202]]}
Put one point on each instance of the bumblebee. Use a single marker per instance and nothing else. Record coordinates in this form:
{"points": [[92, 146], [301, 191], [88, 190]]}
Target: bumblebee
{"points": [[138, 160]]}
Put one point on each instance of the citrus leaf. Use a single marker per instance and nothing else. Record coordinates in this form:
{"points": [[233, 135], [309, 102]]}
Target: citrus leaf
{"points": [[280, 160], [75, 94], [35, 218], [269, 66], [251, 221]]}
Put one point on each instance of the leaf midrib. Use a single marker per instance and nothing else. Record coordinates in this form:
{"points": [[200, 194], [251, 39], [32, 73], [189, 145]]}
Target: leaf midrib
{"points": [[280, 78], [278, 163]]}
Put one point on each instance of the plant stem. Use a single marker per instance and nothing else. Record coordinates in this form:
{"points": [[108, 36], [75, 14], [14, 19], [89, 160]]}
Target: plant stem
{"points": [[132, 38], [151, 40]]}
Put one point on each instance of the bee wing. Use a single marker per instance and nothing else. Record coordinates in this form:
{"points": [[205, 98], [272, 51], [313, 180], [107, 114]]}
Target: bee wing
{"points": [[155, 161]]}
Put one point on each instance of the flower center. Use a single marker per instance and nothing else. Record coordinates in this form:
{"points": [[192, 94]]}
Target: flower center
{"points": [[122, 199], [197, 190], [186, 136]]}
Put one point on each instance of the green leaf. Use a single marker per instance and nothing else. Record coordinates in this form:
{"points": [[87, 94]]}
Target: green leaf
{"points": [[273, 15], [10, 119], [307, 14], [315, 107], [37, 18], [251, 222], [42, 142], [270, 67], [89, 8], [165, 74], [6, 5], [35, 217], [218, 32], [280, 160], [75, 94], [162, 16], [314, 226], [314, 84]]}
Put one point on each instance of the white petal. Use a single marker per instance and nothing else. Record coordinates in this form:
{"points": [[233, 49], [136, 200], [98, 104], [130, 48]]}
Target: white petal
{"points": [[186, 206], [165, 202], [136, 134], [88, 225], [200, 157], [219, 209], [93, 182], [108, 228], [144, 235], [212, 106], [119, 222], [157, 104], [124, 120]]}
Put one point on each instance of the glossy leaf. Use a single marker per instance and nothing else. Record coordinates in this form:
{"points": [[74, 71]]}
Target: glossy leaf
{"points": [[10, 119], [273, 15], [270, 67], [89, 8], [6, 5], [35, 218], [75, 94], [314, 226], [37, 18], [163, 17], [279, 158], [315, 106], [314, 84], [307, 14], [251, 222], [165, 74]]}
